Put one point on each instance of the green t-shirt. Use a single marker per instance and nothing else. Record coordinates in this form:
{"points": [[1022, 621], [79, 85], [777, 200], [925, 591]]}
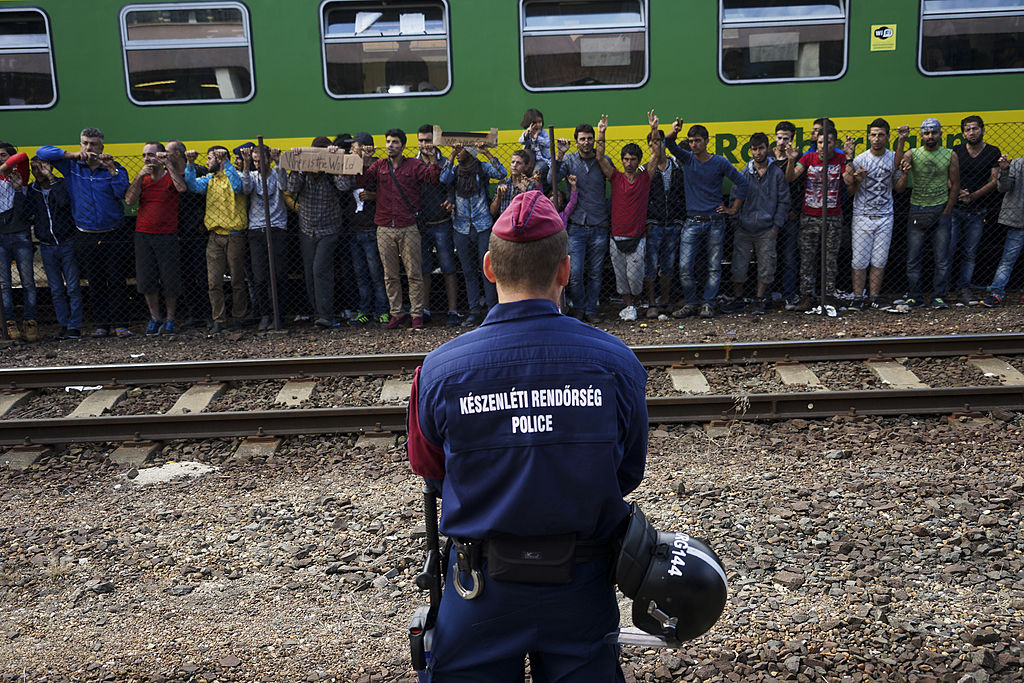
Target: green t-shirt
{"points": [[930, 176]]}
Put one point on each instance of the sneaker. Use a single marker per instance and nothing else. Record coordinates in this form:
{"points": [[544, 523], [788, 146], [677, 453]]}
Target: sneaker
{"points": [[123, 332], [791, 302], [384, 318], [31, 330], [13, 331], [858, 304], [360, 318], [707, 311], [472, 320], [153, 327], [74, 333], [652, 312], [758, 306], [325, 323], [733, 305], [684, 312], [264, 324], [454, 319], [592, 318], [426, 317], [992, 301], [216, 328], [968, 298], [63, 334], [938, 302], [628, 313], [805, 304], [170, 328], [396, 322], [875, 303], [416, 323]]}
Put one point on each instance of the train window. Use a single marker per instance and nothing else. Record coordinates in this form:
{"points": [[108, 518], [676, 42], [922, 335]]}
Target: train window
{"points": [[187, 53], [26, 60], [971, 36], [583, 44], [795, 40], [385, 49]]}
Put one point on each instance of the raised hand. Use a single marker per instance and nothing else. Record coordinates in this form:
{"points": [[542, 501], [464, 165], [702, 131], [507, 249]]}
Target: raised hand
{"points": [[903, 131], [860, 174], [849, 147], [191, 155], [563, 146], [602, 125], [572, 181], [1004, 163], [906, 165], [652, 119], [677, 126], [780, 150]]}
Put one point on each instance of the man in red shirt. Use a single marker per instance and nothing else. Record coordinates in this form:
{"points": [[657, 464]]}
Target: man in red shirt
{"points": [[157, 254], [810, 221], [631, 189], [397, 180]]}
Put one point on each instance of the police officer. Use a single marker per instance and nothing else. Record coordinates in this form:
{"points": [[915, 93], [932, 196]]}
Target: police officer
{"points": [[532, 427]]}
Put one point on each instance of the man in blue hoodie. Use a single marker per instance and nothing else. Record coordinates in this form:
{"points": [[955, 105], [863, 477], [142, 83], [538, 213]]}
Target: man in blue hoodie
{"points": [[97, 185], [761, 217]]}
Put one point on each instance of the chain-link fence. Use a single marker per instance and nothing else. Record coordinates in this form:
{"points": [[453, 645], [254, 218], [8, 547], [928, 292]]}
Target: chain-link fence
{"points": [[207, 247]]}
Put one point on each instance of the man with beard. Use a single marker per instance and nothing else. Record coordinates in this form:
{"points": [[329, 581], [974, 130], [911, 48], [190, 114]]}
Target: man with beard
{"points": [[979, 167], [936, 176], [436, 231]]}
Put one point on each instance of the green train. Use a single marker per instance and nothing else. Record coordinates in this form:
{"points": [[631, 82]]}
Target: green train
{"points": [[232, 70]]}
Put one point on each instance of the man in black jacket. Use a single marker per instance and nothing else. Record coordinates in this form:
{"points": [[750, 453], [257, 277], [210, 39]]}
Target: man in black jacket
{"points": [[666, 211]]}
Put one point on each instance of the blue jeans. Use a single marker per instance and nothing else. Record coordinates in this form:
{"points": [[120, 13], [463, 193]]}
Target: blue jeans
{"points": [[439, 236], [694, 232], [471, 248], [369, 273], [788, 250], [662, 250], [971, 224], [588, 246], [1011, 250], [920, 221], [16, 248], [65, 289]]}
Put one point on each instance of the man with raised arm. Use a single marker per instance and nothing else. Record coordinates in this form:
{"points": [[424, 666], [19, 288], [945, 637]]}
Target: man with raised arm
{"points": [[631, 189], [870, 178], [588, 223], [157, 188], [97, 185], [817, 176], [935, 172], [705, 216]]}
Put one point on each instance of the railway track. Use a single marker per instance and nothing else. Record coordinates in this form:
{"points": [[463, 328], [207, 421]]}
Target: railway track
{"points": [[685, 363]]}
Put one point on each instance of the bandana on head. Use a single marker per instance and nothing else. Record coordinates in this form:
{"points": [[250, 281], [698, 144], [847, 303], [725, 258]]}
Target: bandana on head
{"points": [[931, 124]]}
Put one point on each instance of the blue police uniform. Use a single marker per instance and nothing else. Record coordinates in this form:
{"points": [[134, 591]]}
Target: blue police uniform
{"points": [[534, 424]]}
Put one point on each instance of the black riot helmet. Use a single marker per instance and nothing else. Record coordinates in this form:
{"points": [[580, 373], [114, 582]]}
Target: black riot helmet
{"points": [[677, 583]]}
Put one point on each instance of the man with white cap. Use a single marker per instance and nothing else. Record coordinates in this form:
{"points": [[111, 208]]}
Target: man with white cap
{"points": [[532, 427], [936, 178]]}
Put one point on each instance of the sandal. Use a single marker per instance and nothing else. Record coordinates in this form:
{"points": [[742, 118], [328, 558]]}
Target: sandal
{"points": [[123, 332], [100, 332]]}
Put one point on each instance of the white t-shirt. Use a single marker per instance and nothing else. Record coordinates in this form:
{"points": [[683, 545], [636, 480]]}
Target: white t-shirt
{"points": [[874, 196]]}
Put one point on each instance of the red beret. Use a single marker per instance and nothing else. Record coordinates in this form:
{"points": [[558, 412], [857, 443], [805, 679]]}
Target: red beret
{"points": [[529, 217]]}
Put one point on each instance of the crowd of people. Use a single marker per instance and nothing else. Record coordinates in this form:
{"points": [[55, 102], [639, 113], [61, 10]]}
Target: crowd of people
{"points": [[403, 218]]}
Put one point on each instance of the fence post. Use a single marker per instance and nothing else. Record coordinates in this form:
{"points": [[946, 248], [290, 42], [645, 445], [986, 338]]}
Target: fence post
{"points": [[271, 266]]}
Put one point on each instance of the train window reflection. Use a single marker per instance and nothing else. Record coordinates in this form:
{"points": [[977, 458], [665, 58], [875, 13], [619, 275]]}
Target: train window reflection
{"points": [[797, 40], [381, 49], [187, 54], [971, 36], [26, 60], [576, 45]]}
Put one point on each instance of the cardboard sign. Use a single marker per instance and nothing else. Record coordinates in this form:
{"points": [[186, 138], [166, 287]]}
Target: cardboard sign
{"points": [[316, 159], [449, 138]]}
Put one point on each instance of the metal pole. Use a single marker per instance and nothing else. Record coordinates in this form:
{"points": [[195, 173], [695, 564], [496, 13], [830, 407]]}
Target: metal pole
{"points": [[264, 172], [554, 168], [825, 153]]}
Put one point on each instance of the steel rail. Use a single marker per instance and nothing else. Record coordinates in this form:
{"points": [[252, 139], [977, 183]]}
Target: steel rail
{"points": [[680, 409], [237, 370]]}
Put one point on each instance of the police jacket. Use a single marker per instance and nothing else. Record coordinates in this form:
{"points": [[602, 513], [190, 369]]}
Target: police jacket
{"points": [[767, 203], [532, 424], [52, 222], [667, 208]]}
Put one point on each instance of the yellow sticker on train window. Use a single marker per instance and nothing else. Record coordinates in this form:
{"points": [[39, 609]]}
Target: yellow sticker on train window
{"points": [[883, 37]]}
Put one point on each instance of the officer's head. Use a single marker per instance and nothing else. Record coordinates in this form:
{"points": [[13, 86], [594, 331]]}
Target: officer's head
{"points": [[528, 255]]}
